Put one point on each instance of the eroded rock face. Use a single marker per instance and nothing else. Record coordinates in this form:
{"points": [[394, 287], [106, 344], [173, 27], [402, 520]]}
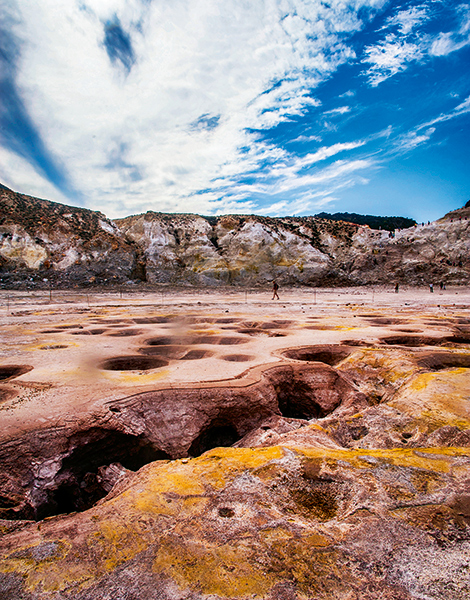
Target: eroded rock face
{"points": [[63, 244], [45, 240]]}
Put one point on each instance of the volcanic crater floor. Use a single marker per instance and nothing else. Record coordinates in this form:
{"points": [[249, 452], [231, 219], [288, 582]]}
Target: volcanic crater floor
{"points": [[219, 445]]}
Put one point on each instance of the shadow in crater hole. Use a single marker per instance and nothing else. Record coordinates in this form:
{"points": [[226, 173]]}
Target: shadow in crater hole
{"points": [[217, 434], [80, 483]]}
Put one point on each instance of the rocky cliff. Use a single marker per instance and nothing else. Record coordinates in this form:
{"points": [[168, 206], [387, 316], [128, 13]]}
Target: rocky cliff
{"points": [[44, 240]]}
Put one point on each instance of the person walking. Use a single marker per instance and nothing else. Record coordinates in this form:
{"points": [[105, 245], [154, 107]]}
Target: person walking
{"points": [[275, 288]]}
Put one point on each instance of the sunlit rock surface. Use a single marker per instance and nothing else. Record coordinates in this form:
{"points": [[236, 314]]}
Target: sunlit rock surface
{"points": [[42, 240], [215, 447], [45, 242]]}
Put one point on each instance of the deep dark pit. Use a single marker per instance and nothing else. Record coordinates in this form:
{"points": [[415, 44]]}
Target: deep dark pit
{"points": [[220, 433], [328, 354], [133, 363], [78, 483], [412, 341], [12, 371]]}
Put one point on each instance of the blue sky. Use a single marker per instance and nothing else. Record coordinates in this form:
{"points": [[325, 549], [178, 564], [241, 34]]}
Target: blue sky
{"points": [[274, 107]]}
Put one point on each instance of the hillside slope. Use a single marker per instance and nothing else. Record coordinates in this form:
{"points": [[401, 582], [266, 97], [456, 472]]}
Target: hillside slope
{"points": [[42, 240]]}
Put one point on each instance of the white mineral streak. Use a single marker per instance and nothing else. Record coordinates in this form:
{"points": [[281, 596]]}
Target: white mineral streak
{"points": [[22, 249]]}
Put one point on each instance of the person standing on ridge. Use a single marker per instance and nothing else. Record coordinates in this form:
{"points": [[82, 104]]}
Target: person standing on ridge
{"points": [[275, 288]]}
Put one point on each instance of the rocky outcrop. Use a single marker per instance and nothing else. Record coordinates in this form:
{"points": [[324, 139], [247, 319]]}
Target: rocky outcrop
{"points": [[44, 240], [299, 250]]}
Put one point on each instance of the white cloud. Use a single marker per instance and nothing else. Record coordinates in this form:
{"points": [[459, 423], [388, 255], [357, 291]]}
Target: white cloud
{"points": [[306, 138], [411, 140], [390, 57], [341, 110], [32, 183], [126, 137], [461, 109], [407, 20], [451, 41], [409, 45]]}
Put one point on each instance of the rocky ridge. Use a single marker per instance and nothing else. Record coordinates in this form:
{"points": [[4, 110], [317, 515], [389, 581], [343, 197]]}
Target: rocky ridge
{"points": [[42, 240]]}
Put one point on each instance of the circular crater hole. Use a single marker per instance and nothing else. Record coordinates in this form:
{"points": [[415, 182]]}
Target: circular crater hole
{"points": [[12, 371], [125, 332], [237, 357], [330, 355], [133, 363], [151, 320], [411, 340], [436, 361], [385, 321], [197, 354], [89, 332], [226, 320], [277, 324], [231, 341], [226, 512], [165, 341], [253, 331]]}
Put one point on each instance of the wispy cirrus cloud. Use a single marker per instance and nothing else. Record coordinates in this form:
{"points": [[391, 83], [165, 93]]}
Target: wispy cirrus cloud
{"points": [[413, 139], [450, 41], [407, 42], [399, 49]]}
